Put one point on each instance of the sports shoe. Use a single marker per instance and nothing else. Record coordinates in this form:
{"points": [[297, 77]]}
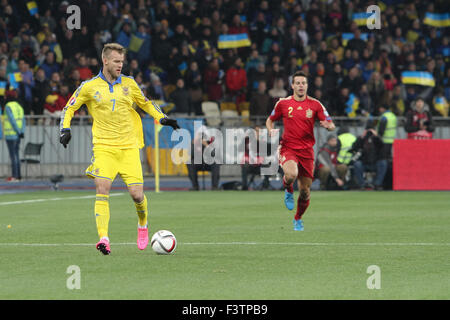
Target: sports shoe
{"points": [[289, 200], [103, 247], [298, 225], [142, 238]]}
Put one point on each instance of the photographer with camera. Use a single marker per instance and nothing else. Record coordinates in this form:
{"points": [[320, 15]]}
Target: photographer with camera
{"points": [[369, 157], [419, 122]]}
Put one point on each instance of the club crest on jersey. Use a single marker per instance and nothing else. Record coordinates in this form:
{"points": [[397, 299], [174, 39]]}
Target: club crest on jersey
{"points": [[72, 101], [97, 96], [309, 113], [126, 90]]}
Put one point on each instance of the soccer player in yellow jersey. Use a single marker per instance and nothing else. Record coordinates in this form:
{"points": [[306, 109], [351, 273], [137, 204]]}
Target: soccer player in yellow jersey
{"points": [[117, 137]]}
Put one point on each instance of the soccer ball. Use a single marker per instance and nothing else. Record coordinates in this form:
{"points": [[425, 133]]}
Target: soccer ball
{"points": [[164, 242]]}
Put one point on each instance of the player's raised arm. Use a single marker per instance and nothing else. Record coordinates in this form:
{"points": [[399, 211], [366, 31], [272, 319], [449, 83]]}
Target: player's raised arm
{"points": [[75, 102], [151, 107]]}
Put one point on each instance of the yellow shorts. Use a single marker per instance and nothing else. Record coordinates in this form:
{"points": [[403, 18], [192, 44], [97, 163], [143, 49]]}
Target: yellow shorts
{"points": [[106, 163]]}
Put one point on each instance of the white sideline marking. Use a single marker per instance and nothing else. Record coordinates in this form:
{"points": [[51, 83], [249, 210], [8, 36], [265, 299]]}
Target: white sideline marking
{"points": [[54, 199], [242, 243]]}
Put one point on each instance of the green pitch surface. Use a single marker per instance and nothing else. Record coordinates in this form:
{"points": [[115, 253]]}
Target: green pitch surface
{"points": [[231, 245]]}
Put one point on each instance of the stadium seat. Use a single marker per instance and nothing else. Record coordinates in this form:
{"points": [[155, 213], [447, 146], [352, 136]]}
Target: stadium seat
{"points": [[230, 118], [212, 113], [228, 106], [246, 118], [244, 106], [32, 155]]}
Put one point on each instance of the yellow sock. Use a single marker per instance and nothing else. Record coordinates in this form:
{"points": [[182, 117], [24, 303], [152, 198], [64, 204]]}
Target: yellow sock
{"points": [[102, 214], [141, 210]]}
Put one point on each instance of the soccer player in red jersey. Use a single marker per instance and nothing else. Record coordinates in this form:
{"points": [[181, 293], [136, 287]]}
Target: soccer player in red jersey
{"points": [[296, 154]]}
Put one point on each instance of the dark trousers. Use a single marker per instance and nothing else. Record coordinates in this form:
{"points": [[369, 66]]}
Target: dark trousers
{"points": [[193, 174], [13, 148]]}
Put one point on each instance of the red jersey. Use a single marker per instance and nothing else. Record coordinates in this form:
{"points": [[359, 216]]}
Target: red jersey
{"points": [[298, 120]]}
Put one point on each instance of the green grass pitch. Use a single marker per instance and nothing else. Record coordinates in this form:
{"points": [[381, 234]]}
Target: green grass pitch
{"points": [[231, 245]]}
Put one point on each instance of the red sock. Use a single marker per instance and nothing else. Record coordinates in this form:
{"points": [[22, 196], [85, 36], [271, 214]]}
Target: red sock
{"points": [[288, 187], [302, 205]]}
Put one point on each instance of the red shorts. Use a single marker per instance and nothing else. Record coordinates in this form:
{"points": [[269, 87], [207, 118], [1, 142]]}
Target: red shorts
{"points": [[305, 165]]}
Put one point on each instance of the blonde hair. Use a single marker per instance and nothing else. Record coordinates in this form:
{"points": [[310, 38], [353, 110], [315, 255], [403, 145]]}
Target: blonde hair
{"points": [[108, 47]]}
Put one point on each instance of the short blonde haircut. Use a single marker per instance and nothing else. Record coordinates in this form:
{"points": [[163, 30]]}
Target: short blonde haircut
{"points": [[108, 47]]}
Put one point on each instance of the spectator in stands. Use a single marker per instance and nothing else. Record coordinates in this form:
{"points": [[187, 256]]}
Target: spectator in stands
{"points": [[330, 173], [83, 68], [370, 158], [260, 104], [182, 100], [236, 82], [26, 86], [278, 90], [419, 121], [40, 91], [50, 65], [213, 80]]}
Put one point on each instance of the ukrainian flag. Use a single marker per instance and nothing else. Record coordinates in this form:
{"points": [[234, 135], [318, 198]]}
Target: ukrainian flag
{"points": [[32, 7], [418, 77], [441, 105], [227, 41], [14, 78], [2, 87], [438, 20], [182, 67], [360, 18], [352, 105]]}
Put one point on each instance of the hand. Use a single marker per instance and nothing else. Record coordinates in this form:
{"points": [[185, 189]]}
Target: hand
{"points": [[170, 122], [329, 125], [21, 135], [339, 182], [65, 137]]}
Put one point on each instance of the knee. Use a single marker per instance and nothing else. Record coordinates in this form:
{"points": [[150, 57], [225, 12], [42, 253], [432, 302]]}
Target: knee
{"points": [[290, 176], [137, 196], [305, 193]]}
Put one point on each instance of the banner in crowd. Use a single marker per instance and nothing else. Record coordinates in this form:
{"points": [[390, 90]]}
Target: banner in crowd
{"points": [[352, 105], [418, 77], [2, 87], [438, 20], [227, 41], [32, 7], [360, 18]]}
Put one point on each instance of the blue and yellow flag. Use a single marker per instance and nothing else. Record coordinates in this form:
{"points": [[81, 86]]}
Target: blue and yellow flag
{"points": [[182, 67], [441, 105], [421, 78], [438, 20], [360, 18], [2, 87], [135, 43], [352, 105], [32, 7], [227, 41], [14, 79]]}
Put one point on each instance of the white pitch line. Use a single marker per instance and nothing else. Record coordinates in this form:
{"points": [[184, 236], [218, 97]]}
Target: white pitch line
{"points": [[242, 243], [54, 199]]}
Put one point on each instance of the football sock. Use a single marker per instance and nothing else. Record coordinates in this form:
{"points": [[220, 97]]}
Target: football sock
{"points": [[102, 214], [288, 187], [302, 205], [141, 210]]}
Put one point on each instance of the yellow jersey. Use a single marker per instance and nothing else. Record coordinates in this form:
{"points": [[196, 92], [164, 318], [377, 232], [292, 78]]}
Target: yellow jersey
{"points": [[115, 122]]}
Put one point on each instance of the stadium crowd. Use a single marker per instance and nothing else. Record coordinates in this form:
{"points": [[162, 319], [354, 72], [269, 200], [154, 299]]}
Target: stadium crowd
{"points": [[174, 55]]}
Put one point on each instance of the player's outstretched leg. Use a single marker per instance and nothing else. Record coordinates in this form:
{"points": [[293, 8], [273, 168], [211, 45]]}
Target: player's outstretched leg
{"points": [[102, 221], [290, 170]]}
